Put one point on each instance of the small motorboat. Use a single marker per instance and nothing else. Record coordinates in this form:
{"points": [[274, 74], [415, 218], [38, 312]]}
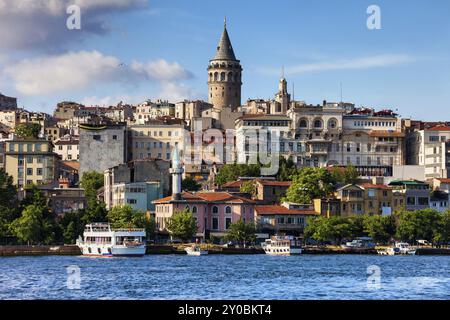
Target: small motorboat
{"points": [[195, 251], [400, 248]]}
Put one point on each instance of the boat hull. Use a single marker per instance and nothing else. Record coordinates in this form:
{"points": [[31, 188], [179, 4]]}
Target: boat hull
{"points": [[93, 250]]}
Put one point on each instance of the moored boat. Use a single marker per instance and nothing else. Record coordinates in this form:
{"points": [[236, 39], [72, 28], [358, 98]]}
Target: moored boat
{"points": [[400, 248], [281, 246], [195, 250], [99, 239]]}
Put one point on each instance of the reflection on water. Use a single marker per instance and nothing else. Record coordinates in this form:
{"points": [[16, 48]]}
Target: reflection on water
{"points": [[227, 277]]}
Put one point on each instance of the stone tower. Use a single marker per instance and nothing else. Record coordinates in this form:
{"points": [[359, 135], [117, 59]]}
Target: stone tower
{"points": [[224, 75]]}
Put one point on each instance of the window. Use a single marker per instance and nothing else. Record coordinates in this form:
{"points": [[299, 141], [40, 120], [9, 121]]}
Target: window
{"points": [[131, 201], [228, 210], [39, 171], [215, 210], [114, 137], [194, 209], [423, 201], [96, 137], [303, 123], [30, 171], [411, 201], [227, 223], [318, 123], [215, 223]]}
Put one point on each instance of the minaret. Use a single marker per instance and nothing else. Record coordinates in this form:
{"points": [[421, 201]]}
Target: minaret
{"points": [[176, 171], [224, 75]]}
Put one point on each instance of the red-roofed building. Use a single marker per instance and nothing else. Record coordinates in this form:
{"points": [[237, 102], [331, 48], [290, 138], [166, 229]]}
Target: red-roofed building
{"points": [[214, 211], [266, 190], [286, 218]]}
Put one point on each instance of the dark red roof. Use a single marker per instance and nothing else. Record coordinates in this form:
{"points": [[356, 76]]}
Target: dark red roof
{"points": [[278, 209]]}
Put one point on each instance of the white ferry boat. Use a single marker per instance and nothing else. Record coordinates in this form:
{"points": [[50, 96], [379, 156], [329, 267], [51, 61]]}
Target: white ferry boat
{"points": [[281, 246], [100, 240]]}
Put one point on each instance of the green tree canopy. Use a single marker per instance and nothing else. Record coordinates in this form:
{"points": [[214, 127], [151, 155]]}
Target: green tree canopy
{"points": [[310, 183], [231, 172], [35, 225], [182, 225], [71, 226], [248, 187], [127, 217], [95, 211], [189, 184], [28, 130], [347, 175], [421, 224], [379, 228], [8, 192], [241, 232], [333, 229], [287, 169]]}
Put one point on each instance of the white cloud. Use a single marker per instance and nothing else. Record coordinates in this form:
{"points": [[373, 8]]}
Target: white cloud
{"points": [[345, 64], [41, 24], [176, 92], [111, 100], [160, 70], [78, 70]]}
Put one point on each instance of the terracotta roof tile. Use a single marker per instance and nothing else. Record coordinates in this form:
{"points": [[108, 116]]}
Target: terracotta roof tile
{"points": [[277, 209]]}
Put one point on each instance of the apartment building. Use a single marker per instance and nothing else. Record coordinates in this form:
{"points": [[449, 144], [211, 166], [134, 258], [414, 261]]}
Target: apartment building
{"points": [[151, 110], [430, 147], [416, 194], [68, 148], [31, 161], [156, 138]]}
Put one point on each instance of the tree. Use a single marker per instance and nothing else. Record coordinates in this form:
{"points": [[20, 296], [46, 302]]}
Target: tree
{"points": [[310, 183], [95, 210], [230, 172], [332, 229], [8, 191], [8, 204], [347, 175], [248, 187], [189, 184], [35, 225], [71, 226], [420, 224], [241, 232], [182, 225], [443, 233], [28, 130], [127, 217], [380, 228], [287, 169]]}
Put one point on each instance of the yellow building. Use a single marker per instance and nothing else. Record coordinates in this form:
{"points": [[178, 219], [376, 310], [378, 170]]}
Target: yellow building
{"points": [[31, 161], [367, 198], [156, 139]]}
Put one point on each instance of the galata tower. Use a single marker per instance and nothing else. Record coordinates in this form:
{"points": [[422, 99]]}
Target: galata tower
{"points": [[224, 75]]}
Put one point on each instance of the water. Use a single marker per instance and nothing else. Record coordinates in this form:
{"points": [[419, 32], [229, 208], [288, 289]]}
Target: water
{"points": [[226, 277]]}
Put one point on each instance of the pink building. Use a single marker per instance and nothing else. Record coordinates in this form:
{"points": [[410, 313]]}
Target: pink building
{"points": [[214, 211]]}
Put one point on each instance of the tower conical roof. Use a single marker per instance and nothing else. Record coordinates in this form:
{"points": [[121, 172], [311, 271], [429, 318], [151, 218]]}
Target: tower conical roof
{"points": [[225, 49]]}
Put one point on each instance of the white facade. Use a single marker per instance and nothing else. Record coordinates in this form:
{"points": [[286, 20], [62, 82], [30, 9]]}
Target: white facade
{"points": [[430, 148]]}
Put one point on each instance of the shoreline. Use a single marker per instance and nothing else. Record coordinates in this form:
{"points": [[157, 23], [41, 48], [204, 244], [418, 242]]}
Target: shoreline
{"points": [[73, 250]]}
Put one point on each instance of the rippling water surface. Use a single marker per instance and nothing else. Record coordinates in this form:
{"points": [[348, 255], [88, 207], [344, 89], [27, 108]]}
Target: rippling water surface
{"points": [[228, 277]]}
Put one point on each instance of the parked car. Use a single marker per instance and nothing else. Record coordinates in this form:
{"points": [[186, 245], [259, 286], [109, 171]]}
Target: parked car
{"points": [[361, 242]]}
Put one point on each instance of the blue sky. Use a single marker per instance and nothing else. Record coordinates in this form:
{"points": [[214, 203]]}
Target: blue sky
{"points": [[404, 66]]}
